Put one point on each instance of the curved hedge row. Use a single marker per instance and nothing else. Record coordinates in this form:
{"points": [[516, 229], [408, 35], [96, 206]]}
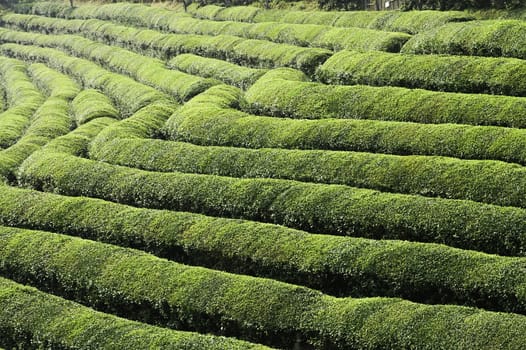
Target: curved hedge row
{"points": [[502, 76], [128, 94], [91, 104], [232, 74], [479, 38], [337, 265], [333, 209], [209, 119], [49, 121], [130, 13], [30, 318], [286, 93], [23, 99], [155, 290], [77, 141], [296, 34], [482, 181], [53, 83], [409, 22], [251, 52], [147, 70], [219, 13]]}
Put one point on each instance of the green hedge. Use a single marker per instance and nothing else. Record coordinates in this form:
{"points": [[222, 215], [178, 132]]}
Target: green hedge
{"points": [[483, 181], [145, 69], [49, 121], [235, 13], [251, 52], [145, 123], [337, 265], [91, 104], [296, 34], [52, 82], [129, 95], [31, 319], [242, 77], [409, 22], [320, 208], [211, 120], [23, 99], [287, 93], [151, 289], [478, 38], [77, 141], [502, 76]]}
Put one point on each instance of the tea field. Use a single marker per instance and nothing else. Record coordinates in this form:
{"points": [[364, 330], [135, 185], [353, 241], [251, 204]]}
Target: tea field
{"points": [[241, 178]]}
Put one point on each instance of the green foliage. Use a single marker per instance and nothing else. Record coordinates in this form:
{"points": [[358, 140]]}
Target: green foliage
{"points": [[23, 99], [77, 141], [411, 22], [482, 181], [242, 77], [503, 76], [286, 93], [296, 34], [252, 52], [145, 123], [91, 104], [169, 293], [463, 4], [339, 265], [332, 209], [30, 318], [505, 38], [210, 119], [128, 94], [145, 69], [52, 82], [235, 13], [49, 121]]}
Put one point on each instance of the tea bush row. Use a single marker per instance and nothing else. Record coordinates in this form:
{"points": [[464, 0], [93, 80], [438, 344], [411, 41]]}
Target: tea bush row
{"points": [[212, 119], [501, 76], [29, 317], [286, 92]]}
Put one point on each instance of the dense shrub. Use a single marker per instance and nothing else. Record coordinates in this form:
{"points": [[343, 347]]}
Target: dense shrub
{"points": [[91, 104], [286, 93], [29, 317], [411, 22], [52, 82], [145, 69], [128, 94], [463, 4], [242, 77], [296, 34], [505, 38], [23, 99], [260, 53], [320, 208], [210, 119], [483, 181], [50, 120], [503, 76], [151, 289], [337, 265], [77, 141]]}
